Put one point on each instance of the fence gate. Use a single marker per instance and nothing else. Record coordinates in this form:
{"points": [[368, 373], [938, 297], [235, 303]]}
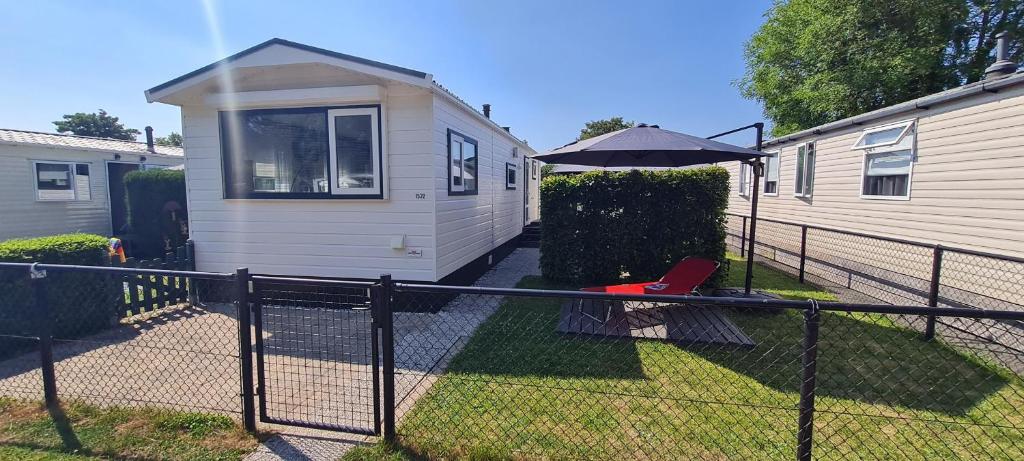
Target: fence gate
{"points": [[316, 354]]}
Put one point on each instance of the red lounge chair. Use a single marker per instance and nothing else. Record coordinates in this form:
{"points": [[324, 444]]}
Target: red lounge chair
{"points": [[683, 279]]}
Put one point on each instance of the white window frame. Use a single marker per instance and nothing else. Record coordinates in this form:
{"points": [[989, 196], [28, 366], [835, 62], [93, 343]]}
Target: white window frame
{"points": [[906, 124], [378, 170], [511, 167], [778, 171], [743, 186], [882, 148], [72, 170], [808, 169]]}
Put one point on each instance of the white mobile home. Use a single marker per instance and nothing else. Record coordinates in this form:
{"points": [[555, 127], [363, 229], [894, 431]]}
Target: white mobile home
{"points": [[55, 183], [304, 161], [946, 168]]}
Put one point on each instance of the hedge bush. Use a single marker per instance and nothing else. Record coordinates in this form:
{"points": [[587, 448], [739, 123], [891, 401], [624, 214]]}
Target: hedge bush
{"points": [[157, 211], [598, 225], [81, 303]]}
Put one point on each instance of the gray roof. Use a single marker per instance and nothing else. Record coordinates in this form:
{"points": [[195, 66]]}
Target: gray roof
{"points": [[922, 103], [68, 141]]}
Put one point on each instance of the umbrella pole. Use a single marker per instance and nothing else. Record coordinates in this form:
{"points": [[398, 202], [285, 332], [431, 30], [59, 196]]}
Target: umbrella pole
{"points": [[758, 166]]}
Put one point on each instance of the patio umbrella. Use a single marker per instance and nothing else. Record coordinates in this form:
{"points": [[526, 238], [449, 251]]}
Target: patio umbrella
{"points": [[650, 146]]}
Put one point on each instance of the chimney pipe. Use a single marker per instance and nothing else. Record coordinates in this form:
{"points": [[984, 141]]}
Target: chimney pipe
{"points": [[1003, 65], [149, 139], [487, 110]]}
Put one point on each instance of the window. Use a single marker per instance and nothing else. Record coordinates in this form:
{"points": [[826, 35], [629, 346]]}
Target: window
{"points": [[744, 183], [533, 168], [885, 135], [510, 176], [303, 153], [462, 164], [61, 181], [771, 173], [888, 161], [803, 181]]}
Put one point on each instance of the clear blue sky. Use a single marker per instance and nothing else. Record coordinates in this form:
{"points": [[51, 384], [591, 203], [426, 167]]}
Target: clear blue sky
{"points": [[545, 66]]}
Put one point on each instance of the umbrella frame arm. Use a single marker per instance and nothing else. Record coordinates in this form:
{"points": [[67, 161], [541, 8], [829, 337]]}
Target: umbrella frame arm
{"points": [[758, 169]]}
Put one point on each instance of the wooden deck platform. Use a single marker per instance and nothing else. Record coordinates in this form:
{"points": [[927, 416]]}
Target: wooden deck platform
{"points": [[672, 322]]}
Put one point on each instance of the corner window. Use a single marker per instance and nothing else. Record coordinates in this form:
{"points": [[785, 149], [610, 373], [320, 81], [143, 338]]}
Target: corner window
{"points": [[302, 153], [533, 168], [61, 181], [510, 176], [888, 166], [746, 173], [803, 180], [771, 173], [462, 164]]}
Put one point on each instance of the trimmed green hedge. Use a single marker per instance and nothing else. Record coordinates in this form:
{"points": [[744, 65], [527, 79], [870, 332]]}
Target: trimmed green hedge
{"points": [[81, 303], [157, 211], [597, 226]]}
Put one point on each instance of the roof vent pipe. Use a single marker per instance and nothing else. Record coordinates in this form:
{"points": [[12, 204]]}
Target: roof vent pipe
{"points": [[487, 110], [149, 139], [1003, 65]]}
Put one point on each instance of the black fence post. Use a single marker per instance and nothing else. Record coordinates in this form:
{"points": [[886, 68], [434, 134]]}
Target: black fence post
{"points": [[388, 354], [803, 251], [45, 316], [190, 264], [933, 291], [805, 434], [743, 237], [245, 348]]}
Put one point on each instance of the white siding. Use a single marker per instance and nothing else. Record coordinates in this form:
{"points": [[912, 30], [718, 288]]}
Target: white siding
{"points": [[323, 238], [469, 226], [967, 185], [21, 215]]}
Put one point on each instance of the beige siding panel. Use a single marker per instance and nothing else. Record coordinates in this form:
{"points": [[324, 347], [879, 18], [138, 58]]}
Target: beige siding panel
{"points": [[324, 238], [967, 187], [21, 215], [470, 226]]}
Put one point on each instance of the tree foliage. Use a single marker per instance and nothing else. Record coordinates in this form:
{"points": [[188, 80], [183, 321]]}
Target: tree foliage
{"points": [[598, 127], [174, 140], [99, 125], [816, 61]]}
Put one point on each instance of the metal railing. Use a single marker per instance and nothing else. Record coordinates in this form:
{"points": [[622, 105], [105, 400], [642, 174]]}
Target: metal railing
{"points": [[887, 269], [448, 371]]}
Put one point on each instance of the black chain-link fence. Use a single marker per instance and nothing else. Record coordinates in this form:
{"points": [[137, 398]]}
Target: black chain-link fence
{"points": [[174, 349], [460, 372]]}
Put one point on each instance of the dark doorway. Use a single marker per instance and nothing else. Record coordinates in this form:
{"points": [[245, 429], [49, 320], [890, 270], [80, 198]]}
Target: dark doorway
{"points": [[115, 187]]}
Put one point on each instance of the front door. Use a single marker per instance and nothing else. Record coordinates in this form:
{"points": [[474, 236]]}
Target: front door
{"points": [[526, 191]]}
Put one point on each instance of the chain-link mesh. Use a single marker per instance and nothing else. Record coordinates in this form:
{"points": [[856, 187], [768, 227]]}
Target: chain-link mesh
{"points": [[315, 354], [170, 353], [568, 378]]}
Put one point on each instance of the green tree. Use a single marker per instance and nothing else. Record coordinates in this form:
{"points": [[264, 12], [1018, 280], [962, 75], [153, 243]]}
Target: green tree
{"points": [[174, 139], [599, 127], [816, 61], [99, 125]]}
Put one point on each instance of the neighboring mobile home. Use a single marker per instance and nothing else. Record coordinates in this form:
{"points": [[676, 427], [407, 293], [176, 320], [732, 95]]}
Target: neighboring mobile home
{"points": [[304, 161], [946, 168], [55, 183]]}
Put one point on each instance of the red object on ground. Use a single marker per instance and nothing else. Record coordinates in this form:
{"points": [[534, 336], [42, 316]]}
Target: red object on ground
{"points": [[683, 279]]}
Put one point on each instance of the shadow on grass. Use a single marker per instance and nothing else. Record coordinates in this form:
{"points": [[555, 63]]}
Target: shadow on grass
{"points": [[520, 339], [861, 357]]}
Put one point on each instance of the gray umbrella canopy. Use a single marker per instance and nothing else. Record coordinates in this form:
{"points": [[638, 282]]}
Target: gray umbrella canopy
{"points": [[645, 145]]}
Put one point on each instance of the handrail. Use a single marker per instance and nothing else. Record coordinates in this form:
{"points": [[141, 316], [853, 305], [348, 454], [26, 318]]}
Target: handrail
{"points": [[120, 270], [888, 239], [755, 303]]}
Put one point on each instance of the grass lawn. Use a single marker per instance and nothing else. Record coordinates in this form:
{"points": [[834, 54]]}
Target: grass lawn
{"points": [[84, 432], [518, 390]]}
